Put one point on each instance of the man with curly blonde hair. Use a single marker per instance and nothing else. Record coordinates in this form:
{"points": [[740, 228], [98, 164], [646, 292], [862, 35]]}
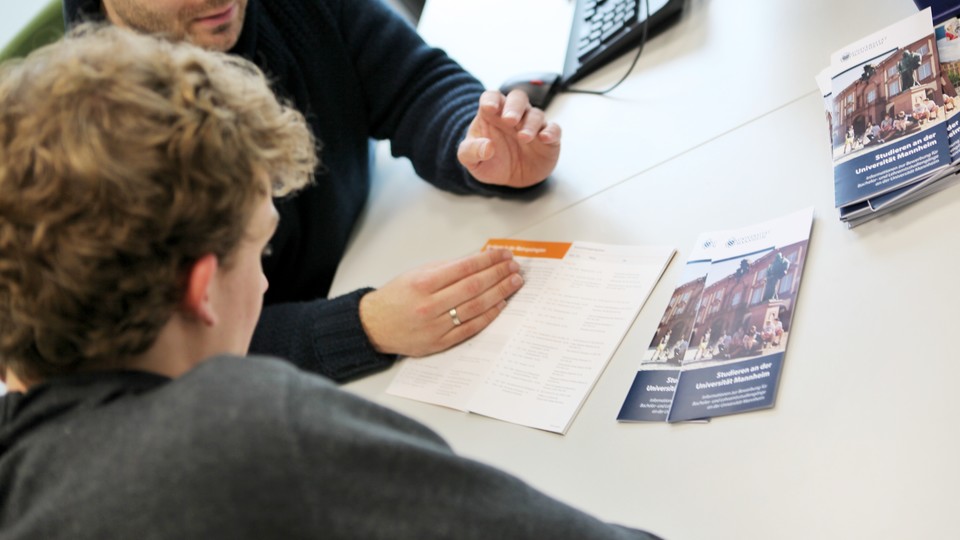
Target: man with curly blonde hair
{"points": [[135, 204], [359, 72], [117, 178]]}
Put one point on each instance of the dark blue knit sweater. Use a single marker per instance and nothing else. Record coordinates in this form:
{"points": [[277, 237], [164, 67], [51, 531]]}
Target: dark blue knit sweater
{"points": [[357, 71]]}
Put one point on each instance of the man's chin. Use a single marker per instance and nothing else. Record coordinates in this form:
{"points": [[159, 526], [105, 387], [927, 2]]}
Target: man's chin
{"points": [[217, 42], [220, 39]]}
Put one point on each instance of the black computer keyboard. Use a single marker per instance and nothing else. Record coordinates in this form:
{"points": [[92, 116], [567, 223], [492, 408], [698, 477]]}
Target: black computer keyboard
{"points": [[602, 20], [605, 29]]}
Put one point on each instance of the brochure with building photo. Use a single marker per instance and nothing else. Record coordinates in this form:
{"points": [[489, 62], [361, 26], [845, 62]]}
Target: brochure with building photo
{"points": [[720, 344], [863, 211], [653, 387], [948, 47], [947, 34], [888, 116]]}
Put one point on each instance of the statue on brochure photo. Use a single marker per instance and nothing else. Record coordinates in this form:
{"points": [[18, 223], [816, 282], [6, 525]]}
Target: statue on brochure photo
{"points": [[775, 272], [742, 271], [907, 66]]}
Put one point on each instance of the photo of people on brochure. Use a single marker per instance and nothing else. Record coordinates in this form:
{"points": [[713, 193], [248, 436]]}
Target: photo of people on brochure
{"points": [[886, 98], [740, 309], [671, 340]]}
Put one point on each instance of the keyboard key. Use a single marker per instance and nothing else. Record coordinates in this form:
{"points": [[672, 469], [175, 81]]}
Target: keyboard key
{"points": [[583, 51], [611, 31]]}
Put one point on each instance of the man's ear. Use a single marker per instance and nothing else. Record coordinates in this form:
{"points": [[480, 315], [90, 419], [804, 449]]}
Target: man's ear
{"points": [[196, 300]]}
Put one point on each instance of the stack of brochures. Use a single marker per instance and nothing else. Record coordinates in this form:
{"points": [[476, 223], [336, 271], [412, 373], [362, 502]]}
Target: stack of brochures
{"points": [[891, 101]]}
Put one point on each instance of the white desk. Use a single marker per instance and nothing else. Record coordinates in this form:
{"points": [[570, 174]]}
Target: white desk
{"points": [[726, 63], [861, 443], [686, 91]]}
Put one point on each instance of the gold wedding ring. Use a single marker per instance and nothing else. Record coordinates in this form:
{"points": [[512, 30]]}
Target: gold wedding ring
{"points": [[454, 317]]}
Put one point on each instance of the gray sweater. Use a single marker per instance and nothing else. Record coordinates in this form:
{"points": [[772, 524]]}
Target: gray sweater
{"points": [[241, 448]]}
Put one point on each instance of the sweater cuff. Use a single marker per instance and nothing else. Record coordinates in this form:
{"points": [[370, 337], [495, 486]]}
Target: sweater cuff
{"points": [[493, 190], [342, 348]]}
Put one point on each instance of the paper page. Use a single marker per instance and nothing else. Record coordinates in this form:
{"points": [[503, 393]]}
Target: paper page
{"points": [[537, 362], [450, 378], [570, 331]]}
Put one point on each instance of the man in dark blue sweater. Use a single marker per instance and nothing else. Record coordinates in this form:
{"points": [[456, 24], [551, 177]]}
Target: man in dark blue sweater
{"points": [[360, 72]]}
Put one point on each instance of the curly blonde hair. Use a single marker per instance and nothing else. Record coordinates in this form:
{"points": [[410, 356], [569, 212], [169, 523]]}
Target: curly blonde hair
{"points": [[124, 158]]}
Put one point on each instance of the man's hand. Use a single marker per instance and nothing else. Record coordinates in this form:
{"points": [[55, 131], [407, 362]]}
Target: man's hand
{"points": [[509, 142], [411, 315]]}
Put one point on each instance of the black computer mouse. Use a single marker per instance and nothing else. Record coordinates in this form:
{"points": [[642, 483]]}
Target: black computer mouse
{"points": [[539, 87]]}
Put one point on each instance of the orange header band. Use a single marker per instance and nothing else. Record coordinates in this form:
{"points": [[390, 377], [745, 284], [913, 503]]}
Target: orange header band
{"points": [[526, 248]]}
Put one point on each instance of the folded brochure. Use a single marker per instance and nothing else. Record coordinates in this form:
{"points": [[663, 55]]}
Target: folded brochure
{"points": [[720, 344]]}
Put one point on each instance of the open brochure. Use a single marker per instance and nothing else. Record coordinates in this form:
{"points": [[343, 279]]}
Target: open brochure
{"points": [[890, 101], [536, 363], [720, 344]]}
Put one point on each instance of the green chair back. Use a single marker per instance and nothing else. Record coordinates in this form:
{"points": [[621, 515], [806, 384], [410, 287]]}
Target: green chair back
{"points": [[45, 28]]}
